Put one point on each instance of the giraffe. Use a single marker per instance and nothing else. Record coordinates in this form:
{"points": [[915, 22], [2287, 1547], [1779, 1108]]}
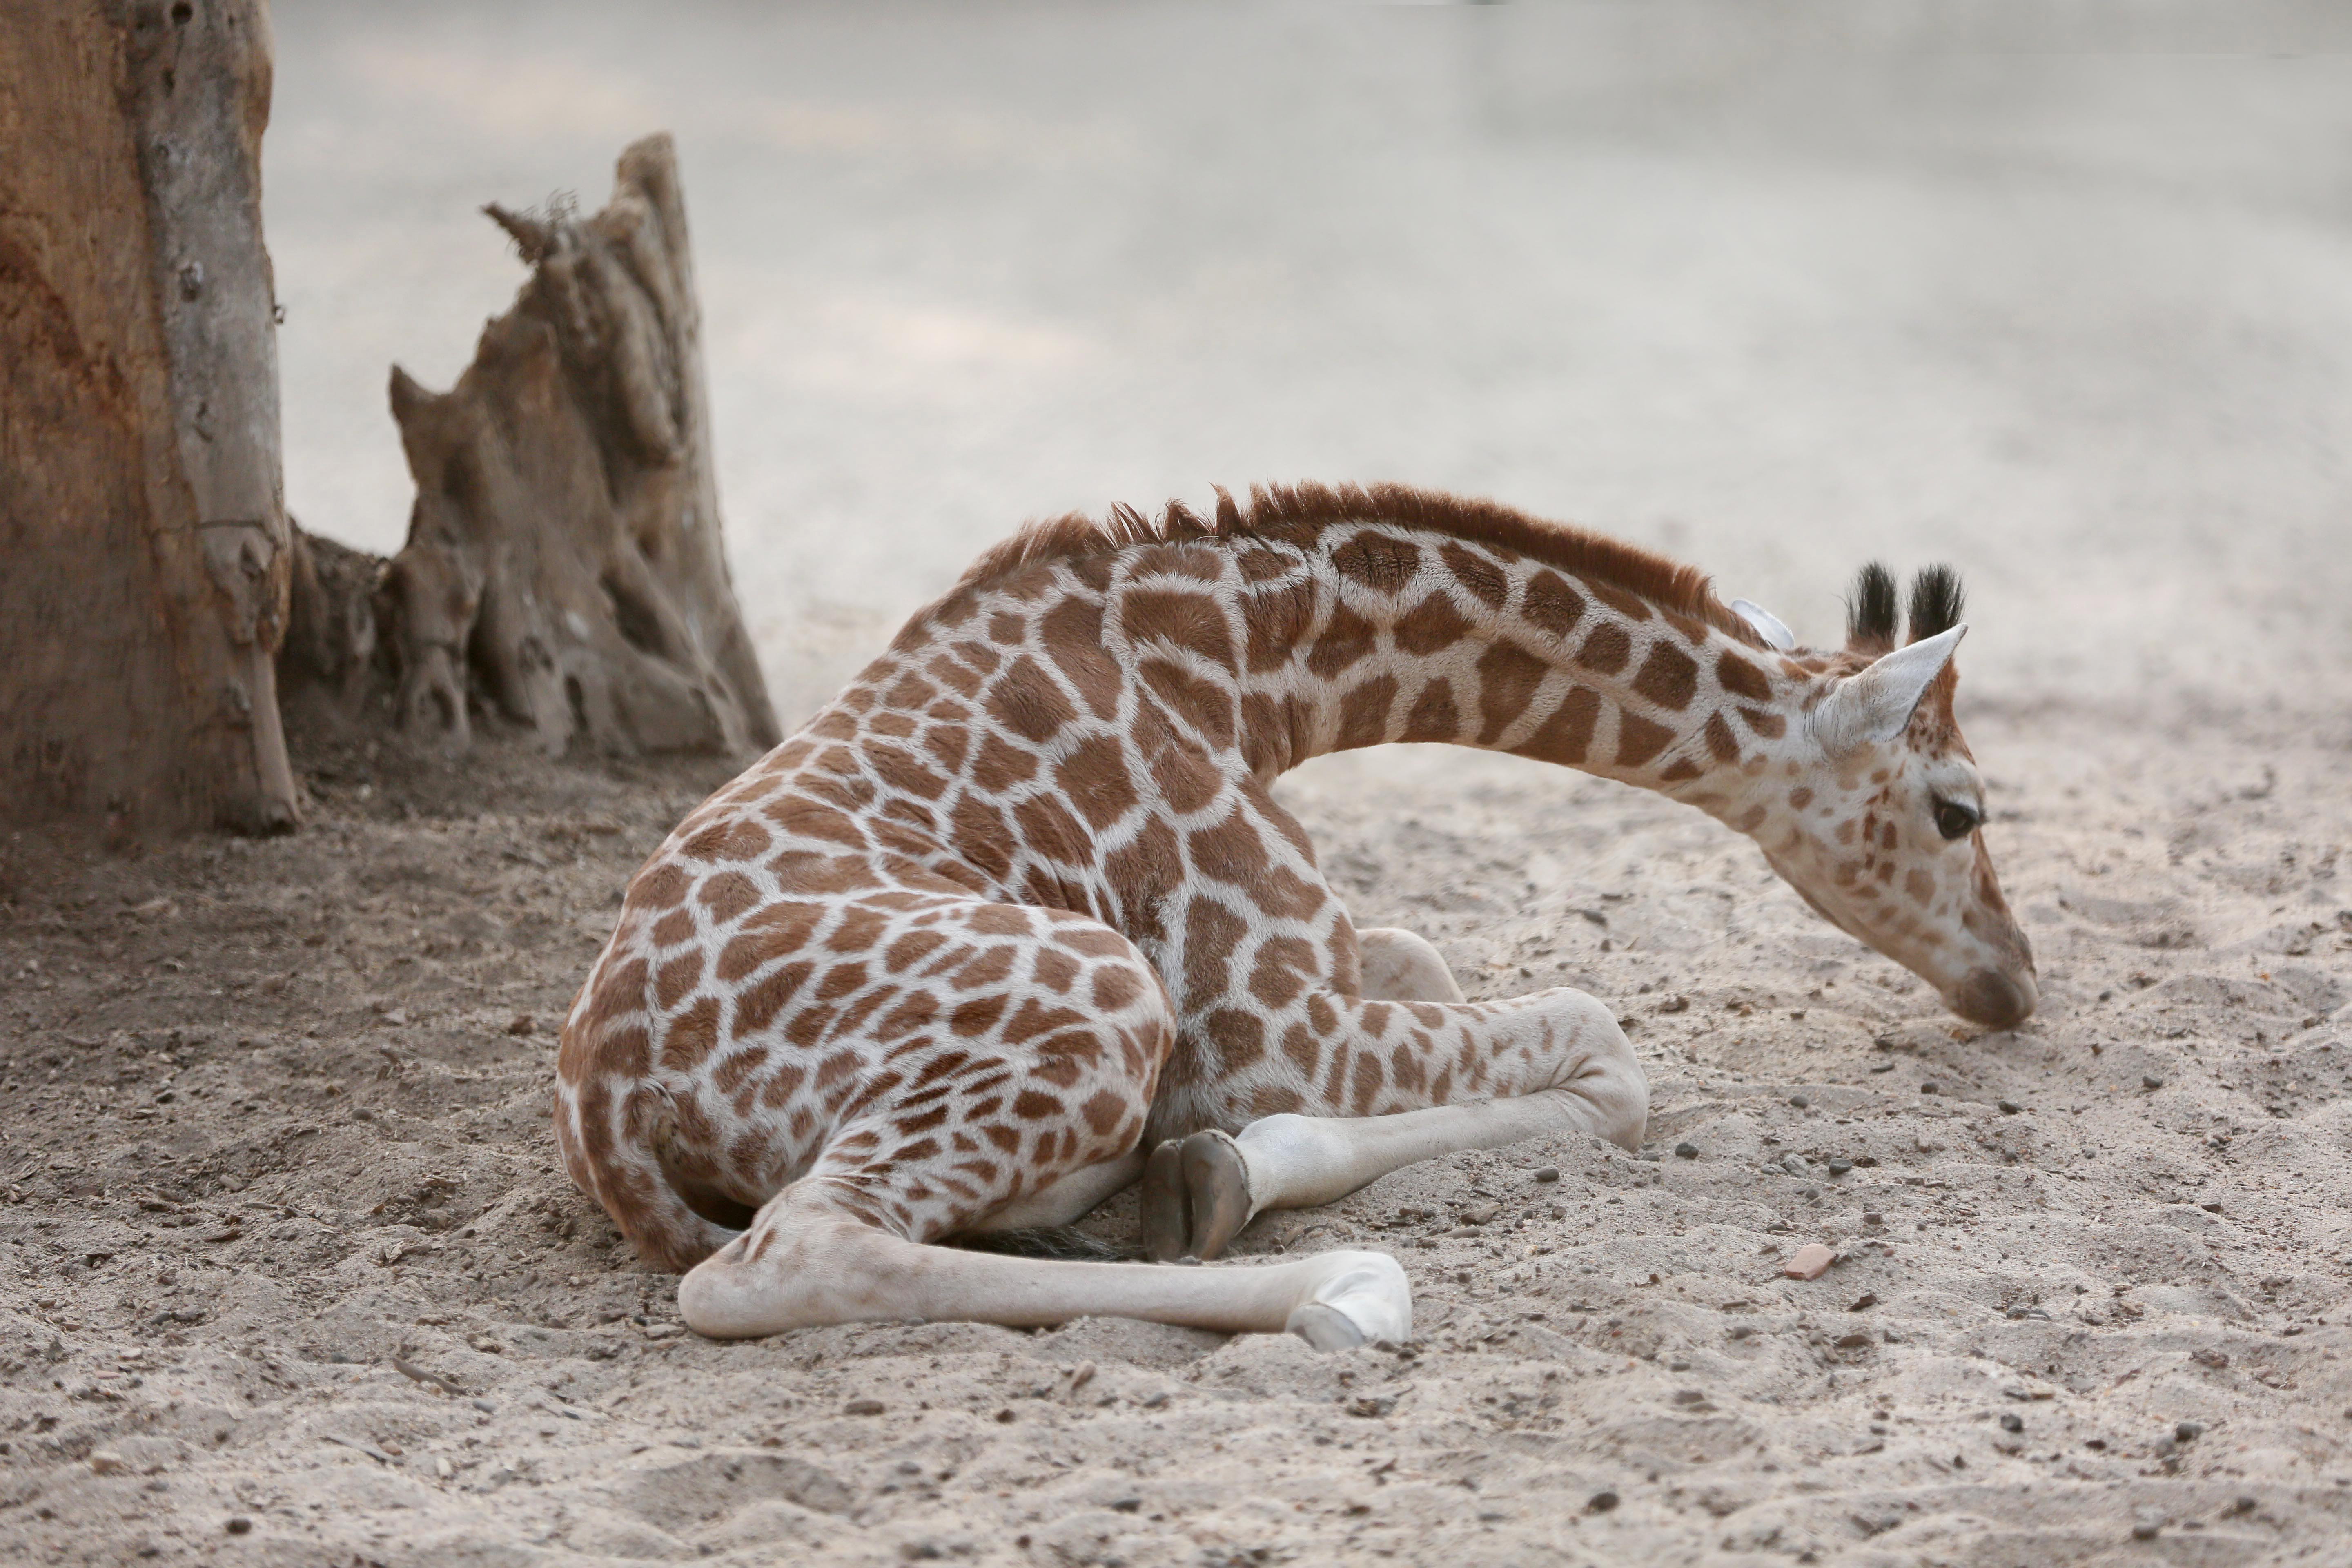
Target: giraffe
{"points": [[1016, 922]]}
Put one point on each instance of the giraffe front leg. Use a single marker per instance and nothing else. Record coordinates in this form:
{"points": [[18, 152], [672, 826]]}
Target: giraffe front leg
{"points": [[1196, 1194], [1400, 965], [1559, 1064]]}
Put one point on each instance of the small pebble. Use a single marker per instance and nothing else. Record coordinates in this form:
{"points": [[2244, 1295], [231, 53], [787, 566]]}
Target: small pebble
{"points": [[2011, 1421], [1840, 1166], [1800, 1101], [2150, 1081], [239, 1525], [862, 1407], [2147, 1530], [1601, 1502], [2010, 1107], [1853, 1342], [1864, 1302], [2189, 1431], [1873, 1219], [1931, 1086], [1685, 1151], [1794, 1165], [1548, 1174], [486, 1407], [1812, 1261]]}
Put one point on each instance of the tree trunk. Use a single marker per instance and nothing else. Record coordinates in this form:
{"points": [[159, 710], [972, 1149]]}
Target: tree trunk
{"points": [[143, 537], [564, 565]]}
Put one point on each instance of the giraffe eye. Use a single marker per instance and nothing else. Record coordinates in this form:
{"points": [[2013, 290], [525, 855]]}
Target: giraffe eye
{"points": [[1954, 820]]}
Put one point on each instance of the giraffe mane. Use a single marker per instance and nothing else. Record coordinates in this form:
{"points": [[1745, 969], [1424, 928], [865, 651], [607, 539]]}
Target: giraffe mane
{"points": [[1300, 514]]}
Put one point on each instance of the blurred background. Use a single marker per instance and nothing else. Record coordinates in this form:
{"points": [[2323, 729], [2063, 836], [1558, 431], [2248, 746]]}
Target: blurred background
{"points": [[2060, 294]]}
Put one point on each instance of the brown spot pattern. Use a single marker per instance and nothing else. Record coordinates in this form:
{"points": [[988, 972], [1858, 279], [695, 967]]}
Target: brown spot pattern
{"points": [[1668, 677], [1606, 650]]}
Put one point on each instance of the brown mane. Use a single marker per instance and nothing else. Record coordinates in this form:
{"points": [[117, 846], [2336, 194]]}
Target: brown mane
{"points": [[1297, 514]]}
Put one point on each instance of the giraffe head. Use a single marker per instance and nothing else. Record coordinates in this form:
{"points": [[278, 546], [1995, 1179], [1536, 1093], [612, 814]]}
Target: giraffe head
{"points": [[1880, 830]]}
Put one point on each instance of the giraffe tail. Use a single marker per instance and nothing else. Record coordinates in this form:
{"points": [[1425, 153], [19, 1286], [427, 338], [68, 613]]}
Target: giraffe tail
{"points": [[1065, 1243]]}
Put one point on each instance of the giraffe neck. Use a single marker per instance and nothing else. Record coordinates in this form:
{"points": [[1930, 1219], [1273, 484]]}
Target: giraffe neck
{"points": [[1388, 634]]}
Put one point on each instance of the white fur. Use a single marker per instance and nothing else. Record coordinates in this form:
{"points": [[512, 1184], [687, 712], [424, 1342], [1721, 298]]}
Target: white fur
{"points": [[1876, 705], [1769, 627]]}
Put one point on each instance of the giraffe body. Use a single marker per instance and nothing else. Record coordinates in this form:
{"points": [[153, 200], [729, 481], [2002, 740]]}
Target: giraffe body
{"points": [[1016, 920]]}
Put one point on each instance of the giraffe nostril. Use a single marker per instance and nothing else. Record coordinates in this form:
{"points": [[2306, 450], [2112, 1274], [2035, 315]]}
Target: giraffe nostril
{"points": [[1997, 1001]]}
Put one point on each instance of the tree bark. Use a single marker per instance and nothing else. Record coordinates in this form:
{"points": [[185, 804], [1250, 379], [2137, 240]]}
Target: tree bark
{"points": [[143, 530], [564, 565]]}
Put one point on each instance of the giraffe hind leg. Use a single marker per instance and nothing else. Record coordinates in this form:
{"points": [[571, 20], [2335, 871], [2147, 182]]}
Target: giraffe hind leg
{"points": [[1040, 1224], [1067, 1197], [808, 1261]]}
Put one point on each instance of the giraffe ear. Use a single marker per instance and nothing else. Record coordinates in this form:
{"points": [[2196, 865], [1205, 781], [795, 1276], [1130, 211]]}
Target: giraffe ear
{"points": [[1876, 704], [1777, 635]]}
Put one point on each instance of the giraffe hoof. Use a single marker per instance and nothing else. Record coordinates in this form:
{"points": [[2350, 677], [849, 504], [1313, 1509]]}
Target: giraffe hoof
{"points": [[1218, 1185], [1195, 1198], [1325, 1328]]}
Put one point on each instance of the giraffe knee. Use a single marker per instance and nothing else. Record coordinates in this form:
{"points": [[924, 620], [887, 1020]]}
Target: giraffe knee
{"points": [[1618, 1089], [1624, 1103], [1400, 965], [1605, 1072], [786, 1273], [716, 1297]]}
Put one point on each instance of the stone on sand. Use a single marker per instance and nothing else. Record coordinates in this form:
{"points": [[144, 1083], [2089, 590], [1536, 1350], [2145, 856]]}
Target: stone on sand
{"points": [[1812, 1261]]}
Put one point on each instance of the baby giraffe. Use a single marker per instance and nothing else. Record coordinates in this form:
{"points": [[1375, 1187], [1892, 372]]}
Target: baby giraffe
{"points": [[1017, 921]]}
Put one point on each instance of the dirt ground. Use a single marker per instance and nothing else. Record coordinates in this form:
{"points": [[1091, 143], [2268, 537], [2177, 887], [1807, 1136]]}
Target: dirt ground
{"points": [[289, 1274]]}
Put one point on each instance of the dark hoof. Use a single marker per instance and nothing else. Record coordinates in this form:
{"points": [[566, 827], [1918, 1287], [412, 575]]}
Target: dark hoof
{"points": [[1195, 1198]]}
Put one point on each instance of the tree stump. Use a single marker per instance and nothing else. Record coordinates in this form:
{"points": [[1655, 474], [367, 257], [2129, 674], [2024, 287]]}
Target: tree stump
{"points": [[143, 530], [564, 566]]}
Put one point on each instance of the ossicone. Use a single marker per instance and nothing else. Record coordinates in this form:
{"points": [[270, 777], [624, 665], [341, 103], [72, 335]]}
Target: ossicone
{"points": [[1870, 614], [1937, 600]]}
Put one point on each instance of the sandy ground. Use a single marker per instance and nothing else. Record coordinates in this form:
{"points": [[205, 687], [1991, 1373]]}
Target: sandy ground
{"points": [[287, 1274]]}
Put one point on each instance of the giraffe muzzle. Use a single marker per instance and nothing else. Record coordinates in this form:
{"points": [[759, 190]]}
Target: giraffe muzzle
{"points": [[1997, 1001]]}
